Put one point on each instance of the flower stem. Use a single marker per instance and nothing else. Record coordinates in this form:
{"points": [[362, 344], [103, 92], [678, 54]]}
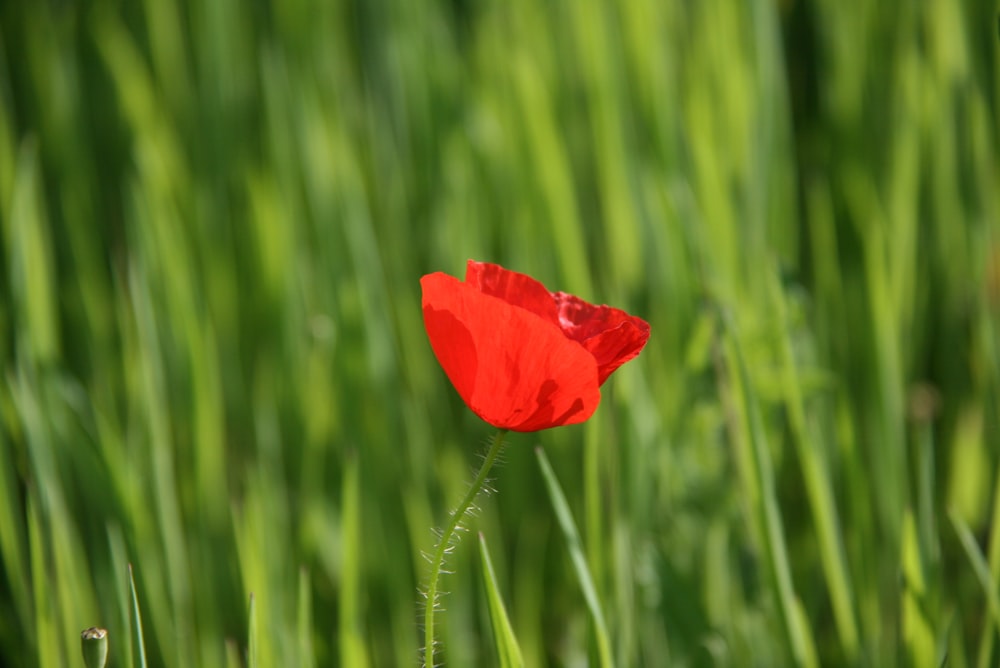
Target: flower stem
{"points": [[444, 543]]}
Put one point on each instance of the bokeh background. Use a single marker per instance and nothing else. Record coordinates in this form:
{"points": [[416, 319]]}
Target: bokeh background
{"points": [[215, 215]]}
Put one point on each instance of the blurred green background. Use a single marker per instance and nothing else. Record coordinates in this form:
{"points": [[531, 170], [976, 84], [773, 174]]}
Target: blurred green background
{"points": [[215, 216]]}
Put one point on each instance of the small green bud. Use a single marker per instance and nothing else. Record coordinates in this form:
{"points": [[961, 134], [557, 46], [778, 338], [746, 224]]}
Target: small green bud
{"points": [[94, 643]]}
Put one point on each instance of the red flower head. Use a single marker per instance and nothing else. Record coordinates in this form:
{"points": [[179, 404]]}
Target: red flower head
{"points": [[521, 357]]}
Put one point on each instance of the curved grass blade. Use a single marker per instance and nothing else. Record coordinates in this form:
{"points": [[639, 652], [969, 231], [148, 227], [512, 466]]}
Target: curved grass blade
{"points": [[565, 518], [503, 635]]}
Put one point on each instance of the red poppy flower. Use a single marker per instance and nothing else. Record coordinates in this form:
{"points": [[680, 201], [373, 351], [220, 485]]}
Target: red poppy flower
{"points": [[521, 357]]}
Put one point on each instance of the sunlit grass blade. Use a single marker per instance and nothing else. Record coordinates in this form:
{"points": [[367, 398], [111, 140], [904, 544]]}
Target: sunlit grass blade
{"points": [[34, 282], [503, 634], [816, 479], [979, 567], [797, 635], [140, 643], [918, 635], [580, 567]]}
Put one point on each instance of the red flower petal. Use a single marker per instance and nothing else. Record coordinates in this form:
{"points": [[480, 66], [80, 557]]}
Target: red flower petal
{"points": [[513, 367], [611, 335], [516, 289]]}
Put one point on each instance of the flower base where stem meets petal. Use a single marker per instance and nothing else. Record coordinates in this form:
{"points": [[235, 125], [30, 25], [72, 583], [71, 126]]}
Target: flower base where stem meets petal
{"points": [[496, 446]]}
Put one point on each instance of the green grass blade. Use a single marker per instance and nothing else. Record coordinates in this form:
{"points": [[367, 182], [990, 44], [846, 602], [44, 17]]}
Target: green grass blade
{"points": [[13, 542], [503, 634], [816, 479], [918, 634], [122, 650], [797, 635], [351, 640], [307, 655], [46, 640], [234, 658], [989, 336], [32, 274], [136, 619], [979, 567], [252, 633], [583, 576]]}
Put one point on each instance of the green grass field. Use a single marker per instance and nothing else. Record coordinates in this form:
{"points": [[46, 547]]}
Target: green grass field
{"points": [[213, 221]]}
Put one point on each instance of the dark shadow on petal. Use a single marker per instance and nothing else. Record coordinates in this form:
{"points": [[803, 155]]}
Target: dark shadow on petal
{"points": [[570, 412], [544, 416]]}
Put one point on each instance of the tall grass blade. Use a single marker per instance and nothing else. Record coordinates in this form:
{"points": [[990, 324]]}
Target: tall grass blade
{"points": [[46, 639], [816, 478], [124, 647], [13, 541], [918, 634], [579, 559], [979, 567], [304, 623], [503, 634], [352, 646], [252, 642], [797, 636], [140, 641]]}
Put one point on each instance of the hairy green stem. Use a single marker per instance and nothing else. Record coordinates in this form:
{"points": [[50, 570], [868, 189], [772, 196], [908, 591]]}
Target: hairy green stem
{"points": [[445, 542]]}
